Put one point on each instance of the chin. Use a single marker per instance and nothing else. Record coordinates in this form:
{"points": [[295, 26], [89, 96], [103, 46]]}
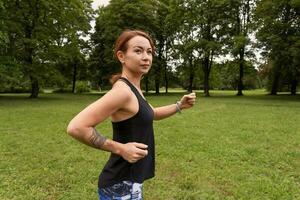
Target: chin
{"points": [[145, 71]]}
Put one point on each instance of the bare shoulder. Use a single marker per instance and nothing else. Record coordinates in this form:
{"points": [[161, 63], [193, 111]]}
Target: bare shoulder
{"points": [[120, 92], [121, 85], [115, 99]]}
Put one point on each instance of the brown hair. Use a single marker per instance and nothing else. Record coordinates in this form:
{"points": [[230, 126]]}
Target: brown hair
{"points": [[122, 45]]}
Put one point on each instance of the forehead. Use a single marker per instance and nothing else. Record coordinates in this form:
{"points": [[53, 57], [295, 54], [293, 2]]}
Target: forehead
{"points": [[139, 41]]}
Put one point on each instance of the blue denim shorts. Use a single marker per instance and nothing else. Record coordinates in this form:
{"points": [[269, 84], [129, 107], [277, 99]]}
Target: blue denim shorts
{"points": [[125, 190]]}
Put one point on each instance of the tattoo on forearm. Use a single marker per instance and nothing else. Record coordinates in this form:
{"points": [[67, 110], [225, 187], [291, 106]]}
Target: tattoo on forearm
{"points": [[96, 139]]}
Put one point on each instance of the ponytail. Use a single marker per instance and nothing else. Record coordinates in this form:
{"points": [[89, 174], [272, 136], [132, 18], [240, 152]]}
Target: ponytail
{"points": [[113, 79]]}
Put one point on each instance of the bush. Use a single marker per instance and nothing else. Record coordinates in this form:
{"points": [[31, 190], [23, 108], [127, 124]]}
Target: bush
{"points": [[12, 79], [63, 90], [82, 86]]}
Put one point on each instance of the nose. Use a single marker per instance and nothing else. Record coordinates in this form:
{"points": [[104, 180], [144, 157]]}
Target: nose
{"points": [[146, 56]]}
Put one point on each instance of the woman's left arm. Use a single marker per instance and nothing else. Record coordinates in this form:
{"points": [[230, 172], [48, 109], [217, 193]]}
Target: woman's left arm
{"points": [[187, 101]]}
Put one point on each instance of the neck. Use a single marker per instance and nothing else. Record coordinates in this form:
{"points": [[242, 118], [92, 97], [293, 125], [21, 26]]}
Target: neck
{"points": [[135, 80]]}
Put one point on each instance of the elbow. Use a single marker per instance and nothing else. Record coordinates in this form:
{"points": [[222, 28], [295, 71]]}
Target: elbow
{"points": [[156, 117], [72, 130]]}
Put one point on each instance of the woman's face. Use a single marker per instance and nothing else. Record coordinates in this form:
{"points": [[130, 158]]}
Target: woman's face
{"points": [[138, 57]]}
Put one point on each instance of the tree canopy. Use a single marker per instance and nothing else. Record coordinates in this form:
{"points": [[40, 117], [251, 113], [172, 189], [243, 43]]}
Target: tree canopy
{"points": [[200, 44]]}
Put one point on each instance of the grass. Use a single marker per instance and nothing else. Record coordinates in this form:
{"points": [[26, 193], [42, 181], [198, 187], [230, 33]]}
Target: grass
{"points": [[226, 147]]}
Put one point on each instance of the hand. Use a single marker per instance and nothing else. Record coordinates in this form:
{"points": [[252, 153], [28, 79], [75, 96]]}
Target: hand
{"points": [[132, 151], [187, 101]]}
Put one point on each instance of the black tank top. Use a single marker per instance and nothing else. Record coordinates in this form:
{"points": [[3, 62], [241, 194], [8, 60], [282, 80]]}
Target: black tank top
{"points": [[138, 128]]}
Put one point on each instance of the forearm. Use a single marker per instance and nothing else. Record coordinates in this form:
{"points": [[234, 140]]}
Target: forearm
{"points": [[165, 111], [113, 147], [91, 137]]}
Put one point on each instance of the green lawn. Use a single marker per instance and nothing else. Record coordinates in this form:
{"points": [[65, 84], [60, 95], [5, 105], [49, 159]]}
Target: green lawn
{"points": [[226, 147]]}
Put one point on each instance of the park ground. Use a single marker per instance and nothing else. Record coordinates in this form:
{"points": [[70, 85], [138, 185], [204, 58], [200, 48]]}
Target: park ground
{"points": [[226, 147]]}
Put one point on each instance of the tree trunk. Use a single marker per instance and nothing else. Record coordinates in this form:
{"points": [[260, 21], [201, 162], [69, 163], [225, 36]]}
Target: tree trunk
{"points": [[158, 67], [34, 87], [12, 45], [206, 70], [206, 84], [166, 78], [157, 83], [29, 64], [191, 77], [275, 82], [166, 68], [29, 50], [294, 86], [241, 75], [191, 80], [208, 55], [74, 77]]}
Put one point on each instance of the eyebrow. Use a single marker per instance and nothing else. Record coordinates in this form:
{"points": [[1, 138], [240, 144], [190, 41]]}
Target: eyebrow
{"points": [[142, 47]]}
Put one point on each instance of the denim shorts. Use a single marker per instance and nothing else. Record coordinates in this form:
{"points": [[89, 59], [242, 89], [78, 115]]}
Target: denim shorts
{"points": [[125, 190]]}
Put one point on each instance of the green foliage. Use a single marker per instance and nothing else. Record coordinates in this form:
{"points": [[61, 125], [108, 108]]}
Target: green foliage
{"points": [[202, 31], [39, 31], [279, 32], [225, 76], [82, 86], [42, 45], [11, 76], [3, 35], [267, 74]]}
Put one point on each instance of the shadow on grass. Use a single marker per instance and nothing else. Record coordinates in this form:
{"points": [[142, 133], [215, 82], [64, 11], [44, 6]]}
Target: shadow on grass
{"points": [[26, 97], [213, 95], [279, 97], [232, 95]]}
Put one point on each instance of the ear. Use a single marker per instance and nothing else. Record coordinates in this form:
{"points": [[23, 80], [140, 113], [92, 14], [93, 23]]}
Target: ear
{"points": [[121, 56]]}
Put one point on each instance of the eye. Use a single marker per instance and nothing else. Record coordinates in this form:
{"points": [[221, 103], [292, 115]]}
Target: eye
{"points": [[149, 52], [138, 51]]}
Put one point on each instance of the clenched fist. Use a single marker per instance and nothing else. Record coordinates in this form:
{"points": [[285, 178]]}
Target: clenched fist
{"points": [[187, 101], [133, 151]]}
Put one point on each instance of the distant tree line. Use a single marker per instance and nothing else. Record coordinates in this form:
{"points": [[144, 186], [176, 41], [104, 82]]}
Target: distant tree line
{"points": [[50, 44]]}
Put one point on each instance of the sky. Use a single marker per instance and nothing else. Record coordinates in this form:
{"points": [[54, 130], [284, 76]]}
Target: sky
{"points": [[98, 3], [95, 5]]}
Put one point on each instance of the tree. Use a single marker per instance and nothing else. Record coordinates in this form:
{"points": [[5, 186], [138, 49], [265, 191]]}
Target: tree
{"points": [[202, 32], [164, 35], [242, 14], [38, 27], [3, 35], [278, 31], [181, 18]]}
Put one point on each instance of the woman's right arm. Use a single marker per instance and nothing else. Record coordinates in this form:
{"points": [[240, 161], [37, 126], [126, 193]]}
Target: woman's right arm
{"points": [[82, 126]]}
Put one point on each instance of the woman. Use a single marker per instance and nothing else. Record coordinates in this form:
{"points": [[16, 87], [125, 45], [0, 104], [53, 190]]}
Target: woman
{"points": [[132, 147]]}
